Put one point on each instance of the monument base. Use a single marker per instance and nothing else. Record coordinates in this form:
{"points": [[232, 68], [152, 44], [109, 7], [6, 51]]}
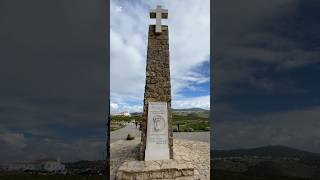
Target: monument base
{"points": [[156, 154], [165, 169]]}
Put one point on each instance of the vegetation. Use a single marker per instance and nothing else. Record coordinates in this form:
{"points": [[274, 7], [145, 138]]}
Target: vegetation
{"points": [[189, 120], [229, 175], [117, 122], [49, 177], [130, 137], [268, 162], [137, 118], [116, 125], [80, 170], [272, 151], [85, 164], [197, 121]]}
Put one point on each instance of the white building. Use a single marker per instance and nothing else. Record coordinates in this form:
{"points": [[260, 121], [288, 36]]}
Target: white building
{"points": [[53, 166], [126, 113], [47, 165], [23, 166]]}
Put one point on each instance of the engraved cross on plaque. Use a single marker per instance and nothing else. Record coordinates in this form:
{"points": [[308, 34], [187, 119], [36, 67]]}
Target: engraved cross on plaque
{"points": [[158, 14]]}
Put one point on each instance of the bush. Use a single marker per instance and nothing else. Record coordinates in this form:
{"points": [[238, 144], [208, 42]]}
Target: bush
{"points": [[190, 130], [207, 128], [175, 130], [130, 137]]}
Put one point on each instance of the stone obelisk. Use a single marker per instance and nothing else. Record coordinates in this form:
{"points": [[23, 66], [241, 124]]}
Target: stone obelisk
{"points": [[157, 136]]}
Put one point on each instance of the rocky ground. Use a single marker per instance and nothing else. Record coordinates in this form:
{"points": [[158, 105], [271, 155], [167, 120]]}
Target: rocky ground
{"points": [[121, 151], [195, 152]]}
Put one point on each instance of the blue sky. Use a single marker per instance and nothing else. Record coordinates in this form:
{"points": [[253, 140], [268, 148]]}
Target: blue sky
{"points": [[189, 41]]}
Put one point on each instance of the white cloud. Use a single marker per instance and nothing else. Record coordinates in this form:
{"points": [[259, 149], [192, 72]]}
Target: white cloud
{"points": [[115, 108], [119, 9], [189, 40], [193, 102], [12, 140]]}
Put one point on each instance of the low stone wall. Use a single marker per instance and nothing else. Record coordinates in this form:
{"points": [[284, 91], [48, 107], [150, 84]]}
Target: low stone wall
{"points": [[166, 169]]}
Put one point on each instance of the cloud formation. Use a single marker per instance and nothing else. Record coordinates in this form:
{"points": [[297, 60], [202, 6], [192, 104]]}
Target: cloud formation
{"points": [[266, 55], [17, 147], [189, 41], [53, 79], [297, 128], [267, 38]]}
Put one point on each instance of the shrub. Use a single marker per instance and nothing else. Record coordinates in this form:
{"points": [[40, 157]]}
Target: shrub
{"points": [[175, 130], [190, 130], [130, 137]]}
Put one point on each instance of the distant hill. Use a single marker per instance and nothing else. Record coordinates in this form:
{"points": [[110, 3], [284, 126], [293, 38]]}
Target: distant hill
{"points": [[272, 151], [85, 164], [189, 110], [267, 162], [136, 114], [177, 110]]}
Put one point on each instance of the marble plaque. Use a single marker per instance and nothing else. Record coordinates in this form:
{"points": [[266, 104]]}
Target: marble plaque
{"points": [[157, 147]]}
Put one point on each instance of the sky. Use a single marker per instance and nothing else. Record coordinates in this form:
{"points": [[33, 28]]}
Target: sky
{"points": [[53, 72], [53, 93], [189, 44], [266, 64]]}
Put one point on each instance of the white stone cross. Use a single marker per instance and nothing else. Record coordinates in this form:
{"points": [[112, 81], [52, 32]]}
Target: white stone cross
{"points": [[158, 14]]}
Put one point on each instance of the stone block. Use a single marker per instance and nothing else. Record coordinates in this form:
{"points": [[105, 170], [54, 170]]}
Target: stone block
{"points": [[166, 169]]}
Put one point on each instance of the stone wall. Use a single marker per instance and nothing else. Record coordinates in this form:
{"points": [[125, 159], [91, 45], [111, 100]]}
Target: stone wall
{"points": [[166, 169], [158, 86]]}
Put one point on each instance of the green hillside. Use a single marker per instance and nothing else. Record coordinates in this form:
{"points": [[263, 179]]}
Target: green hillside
{"points": [[268, 162], [194, 119]]}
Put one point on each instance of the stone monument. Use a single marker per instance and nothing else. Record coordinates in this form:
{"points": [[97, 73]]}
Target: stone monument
{"points": [[156, 136], [156, 146]]}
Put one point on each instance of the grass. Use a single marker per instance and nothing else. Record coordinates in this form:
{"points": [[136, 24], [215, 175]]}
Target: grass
{"points": [[126, 118], [190, 120], [115, 125], [49, 177], [116, 121], [198, 121]]}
